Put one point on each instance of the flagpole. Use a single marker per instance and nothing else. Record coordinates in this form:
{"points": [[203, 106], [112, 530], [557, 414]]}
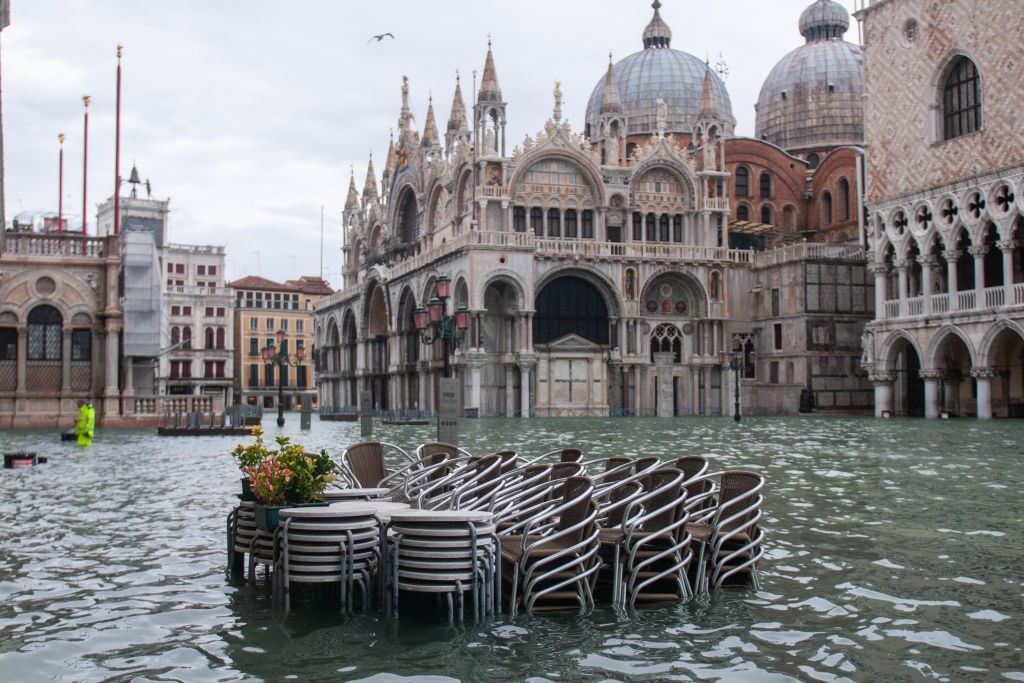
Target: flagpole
{"points": [[321, 241], [85, 172], [117, 149], [60, 186]]}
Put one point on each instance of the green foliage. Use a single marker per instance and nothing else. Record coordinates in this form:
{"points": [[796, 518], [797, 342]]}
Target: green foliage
{"points": [[287, 475]]}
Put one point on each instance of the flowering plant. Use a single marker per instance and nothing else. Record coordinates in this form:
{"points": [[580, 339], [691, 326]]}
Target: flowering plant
{"points": [[249, 456], [286, 475]]}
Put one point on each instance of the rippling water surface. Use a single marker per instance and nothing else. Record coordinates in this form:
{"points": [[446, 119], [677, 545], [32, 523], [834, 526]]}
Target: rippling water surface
{"points": [[894, 553]]}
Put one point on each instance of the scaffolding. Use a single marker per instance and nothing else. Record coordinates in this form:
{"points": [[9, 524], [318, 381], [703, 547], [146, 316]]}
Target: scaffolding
{"points": [[141, 295]]}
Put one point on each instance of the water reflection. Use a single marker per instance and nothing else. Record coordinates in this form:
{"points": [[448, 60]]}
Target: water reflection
{"points": [[894, 551]]}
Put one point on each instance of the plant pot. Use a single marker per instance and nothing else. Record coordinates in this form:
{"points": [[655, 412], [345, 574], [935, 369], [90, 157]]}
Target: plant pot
{"points": [[246, 490], [269, 516]]}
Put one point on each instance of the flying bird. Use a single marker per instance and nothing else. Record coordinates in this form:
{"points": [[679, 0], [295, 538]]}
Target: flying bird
{"points": [[381, 37]]}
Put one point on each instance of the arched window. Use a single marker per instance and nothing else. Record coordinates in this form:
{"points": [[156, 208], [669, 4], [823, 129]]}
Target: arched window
{"points": [[570, 223], [554, 223], [220, 337], [638, 227], [766, 215], [663, 231], [537, 221], [844, 199], [961, 99], [742, 181], [743, 212], [766, 185], [788, 218], [652, 227], [677, 228], [588, 224], [519, 219], [186, 337], [175, 335], [826, 208], [570, 305], [208, 338], [408, 220], [44, 333]]}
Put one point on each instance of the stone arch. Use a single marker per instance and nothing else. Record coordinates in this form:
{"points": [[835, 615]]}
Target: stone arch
{"points": [[438, 196], [989, 346], [510, 277], [689, 282], [684, 174], [890, 348], [603, 283], [376, 318], [583, 164], [931, 359], [570, 304]]}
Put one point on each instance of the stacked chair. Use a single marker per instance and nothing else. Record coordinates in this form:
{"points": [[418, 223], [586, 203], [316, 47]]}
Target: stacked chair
{"points": [[444, 552], [541, 534], [327, 545]]}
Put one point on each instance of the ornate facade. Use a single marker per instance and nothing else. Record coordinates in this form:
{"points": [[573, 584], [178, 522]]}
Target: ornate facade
{"points": [[599, 266], [946, 199]]}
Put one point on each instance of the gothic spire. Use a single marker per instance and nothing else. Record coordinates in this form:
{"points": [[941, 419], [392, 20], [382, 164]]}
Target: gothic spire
{"points": [[430, 135], [490, 91], [708, 107], [352, 202], [457, 119], [391, 161], [370, 186], [611, 103]]}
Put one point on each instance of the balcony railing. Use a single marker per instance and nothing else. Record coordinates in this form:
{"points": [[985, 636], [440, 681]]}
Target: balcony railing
{"points": [[199, 291], [807, 251], [941, 304], [492, 191], [34, 244], [716, 204], [642, 250]]}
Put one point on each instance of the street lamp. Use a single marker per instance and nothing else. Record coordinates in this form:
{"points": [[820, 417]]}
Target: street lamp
{"points": [[433, 322], [277, 356], [736, 362]]}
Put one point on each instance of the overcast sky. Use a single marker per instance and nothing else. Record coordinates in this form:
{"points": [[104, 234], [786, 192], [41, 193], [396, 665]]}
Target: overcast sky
{"points": [[248, 114]]}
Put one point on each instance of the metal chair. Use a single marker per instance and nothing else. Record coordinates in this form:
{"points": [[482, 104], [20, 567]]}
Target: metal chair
{"points": [[556, 550], [729, 533]]}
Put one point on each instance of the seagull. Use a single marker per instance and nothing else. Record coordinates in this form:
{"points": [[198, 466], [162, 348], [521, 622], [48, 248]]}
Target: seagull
{"points": [[381, 37]]}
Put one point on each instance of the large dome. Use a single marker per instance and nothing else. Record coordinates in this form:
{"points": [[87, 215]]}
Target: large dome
{"points": [[813, 97], [657, 69]]}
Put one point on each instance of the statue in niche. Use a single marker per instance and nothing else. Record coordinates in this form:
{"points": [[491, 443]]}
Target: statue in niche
{"points": [[867, 346], [630, 284], [662, 120]]}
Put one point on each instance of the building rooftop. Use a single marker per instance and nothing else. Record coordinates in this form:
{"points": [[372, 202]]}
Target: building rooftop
{"points": [[307, 284]]}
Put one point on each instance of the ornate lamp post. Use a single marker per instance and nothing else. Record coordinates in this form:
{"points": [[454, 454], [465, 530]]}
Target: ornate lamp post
{"points": [[735, 361], [434, 323], [277, 356]]}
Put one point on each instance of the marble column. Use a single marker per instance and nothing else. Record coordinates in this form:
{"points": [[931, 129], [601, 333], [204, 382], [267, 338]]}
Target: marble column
{"points": [[474, 394], [510, 392], [525, 374], [883, 382], [65, 365], [22, 357], [112, 365], [880, 270], [1008, 247], [424, 386], [931, 392], [903, 269], [984, 377], [952, 256], [927, 264], [978, 251]]}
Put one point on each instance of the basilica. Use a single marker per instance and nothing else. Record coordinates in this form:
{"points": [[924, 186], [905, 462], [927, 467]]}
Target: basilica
{"points": [[650, 263]]}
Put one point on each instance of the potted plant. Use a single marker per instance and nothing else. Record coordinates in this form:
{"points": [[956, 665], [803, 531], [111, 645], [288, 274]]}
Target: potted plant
{"points": [[286, 477], [250, 456]]}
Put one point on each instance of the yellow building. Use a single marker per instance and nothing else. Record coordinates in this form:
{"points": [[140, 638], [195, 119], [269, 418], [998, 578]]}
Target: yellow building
{"points": [[266, 311]]}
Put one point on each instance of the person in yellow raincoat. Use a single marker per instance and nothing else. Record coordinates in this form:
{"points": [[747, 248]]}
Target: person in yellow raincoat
{"points": [[85, 427]]}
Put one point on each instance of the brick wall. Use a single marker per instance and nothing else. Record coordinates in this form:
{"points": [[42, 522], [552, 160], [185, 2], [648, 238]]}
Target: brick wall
{"points": [[902, 72]]}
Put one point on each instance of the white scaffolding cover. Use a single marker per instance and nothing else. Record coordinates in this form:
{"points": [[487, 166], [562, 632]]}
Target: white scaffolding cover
{"points": [[141, 295]]}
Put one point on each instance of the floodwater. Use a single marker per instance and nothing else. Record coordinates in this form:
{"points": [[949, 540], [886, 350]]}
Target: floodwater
{"points": [[894, 553]]}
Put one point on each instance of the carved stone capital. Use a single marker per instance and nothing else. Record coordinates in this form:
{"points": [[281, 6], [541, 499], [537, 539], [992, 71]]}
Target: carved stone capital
{"points": [[927, 261], [932, 375], [1007, 245], [983, 373], [952, 255], [879, 268], [882, 377], [903, 265], [978, 250]]}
